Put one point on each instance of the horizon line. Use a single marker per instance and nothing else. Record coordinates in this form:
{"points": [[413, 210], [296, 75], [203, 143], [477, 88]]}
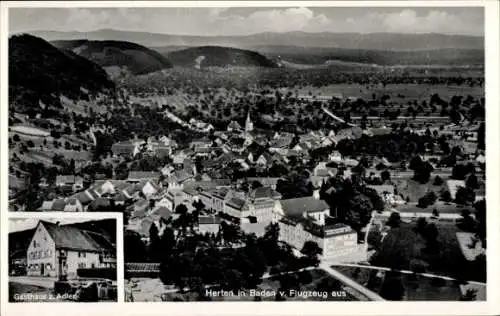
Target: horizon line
{"points": [[245, 35]]}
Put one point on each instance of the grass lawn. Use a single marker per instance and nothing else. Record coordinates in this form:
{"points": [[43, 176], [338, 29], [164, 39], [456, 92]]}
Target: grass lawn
{"points": [[417, 288], [402, 246], [415, 190]]}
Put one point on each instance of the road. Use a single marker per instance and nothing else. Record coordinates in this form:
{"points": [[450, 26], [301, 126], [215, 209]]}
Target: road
{"points": [[429, 275], [46, 282], [350, 282]]}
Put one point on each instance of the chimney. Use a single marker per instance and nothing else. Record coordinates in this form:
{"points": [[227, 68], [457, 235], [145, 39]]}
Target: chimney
{"points": [[58, 223]]}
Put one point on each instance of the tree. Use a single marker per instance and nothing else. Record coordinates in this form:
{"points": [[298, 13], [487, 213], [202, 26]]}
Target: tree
{"points": [[421, 225], [430, 234], [394, 220], [385, 175], [446, 196], [438, 181], [359, 212], [465, 196], [181, 209], [472, 182], [435, 213], [16, 138], [134, 248], [154, 244], [480, 207], [30, 144], [312, 251], [392, 287], [470, 295]]}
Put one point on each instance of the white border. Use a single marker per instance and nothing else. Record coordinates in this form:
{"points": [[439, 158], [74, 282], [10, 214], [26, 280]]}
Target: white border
{"points": [[491, 307], [118, 217]]}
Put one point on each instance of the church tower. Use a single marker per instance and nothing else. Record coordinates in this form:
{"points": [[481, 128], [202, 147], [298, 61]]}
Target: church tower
{"points": [[248, 123]]}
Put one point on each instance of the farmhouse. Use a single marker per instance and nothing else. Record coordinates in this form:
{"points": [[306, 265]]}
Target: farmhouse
{"points": [[83, 249]]}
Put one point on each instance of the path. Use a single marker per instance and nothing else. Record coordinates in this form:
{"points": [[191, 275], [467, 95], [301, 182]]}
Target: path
{"points": [[429, 275], [335, 117], [350, 282]]}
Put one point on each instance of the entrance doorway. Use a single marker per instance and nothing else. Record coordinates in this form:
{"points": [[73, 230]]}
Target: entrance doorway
{"points": [[42, 269]]}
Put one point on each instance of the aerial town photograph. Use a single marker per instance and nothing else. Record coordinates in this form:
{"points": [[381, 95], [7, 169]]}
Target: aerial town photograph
{"points": [[62, 259], [254, 153]]}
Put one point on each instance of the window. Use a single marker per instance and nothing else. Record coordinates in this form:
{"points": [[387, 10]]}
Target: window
{"points": [[82, 265], [81, 254], [93, 265]]}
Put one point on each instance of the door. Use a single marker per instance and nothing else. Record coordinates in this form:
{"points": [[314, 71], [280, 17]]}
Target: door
{"points": [[42, 269]]}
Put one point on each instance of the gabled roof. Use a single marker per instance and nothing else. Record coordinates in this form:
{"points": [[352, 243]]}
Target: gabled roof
{"points": [[263, 193], [234, 125], [296, 207], [58, 205], [162, 212], [236, 203], [73, 238]]}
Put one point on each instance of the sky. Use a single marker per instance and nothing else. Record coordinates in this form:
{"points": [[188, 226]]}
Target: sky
{"points": [[244, 20], [19, 224]]}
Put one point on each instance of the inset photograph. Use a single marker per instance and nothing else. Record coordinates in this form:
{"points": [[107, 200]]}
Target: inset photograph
{"points": [[62, 259]]}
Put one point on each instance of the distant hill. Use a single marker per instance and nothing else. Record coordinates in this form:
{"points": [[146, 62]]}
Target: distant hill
{"points": [[41, 73], [209, 56], [131, 57], [371, 41], [322, 55]]}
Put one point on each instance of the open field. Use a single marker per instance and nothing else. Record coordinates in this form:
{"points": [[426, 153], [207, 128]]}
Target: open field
{"points": [[409, 91]]}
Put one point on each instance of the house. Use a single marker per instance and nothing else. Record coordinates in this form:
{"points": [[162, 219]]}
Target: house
{"points": [[208, 224], [336, 240], [262, 203], [139, 208], [85, 197], [167, 202], [138, 176], [309, 207], [307, 219], [234, 127], [150, 188], [180, 156], [82, 249], [265, 181], [75, 182], [160, 212], [73, 205], [167, 170], [128, 148], [56, 205], [178, 179]]}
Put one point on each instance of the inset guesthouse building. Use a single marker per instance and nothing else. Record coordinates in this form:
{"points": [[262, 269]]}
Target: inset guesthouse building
{"points": [[81, 249]]}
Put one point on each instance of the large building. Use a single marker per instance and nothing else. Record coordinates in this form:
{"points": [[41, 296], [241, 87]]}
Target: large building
{"points": [[82, 249], [308, 219]]}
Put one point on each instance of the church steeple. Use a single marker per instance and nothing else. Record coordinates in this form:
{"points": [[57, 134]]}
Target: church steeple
{"points": [[248, 123]]}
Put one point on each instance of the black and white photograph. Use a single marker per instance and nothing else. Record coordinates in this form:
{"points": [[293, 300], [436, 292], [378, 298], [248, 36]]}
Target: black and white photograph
{"points": [[256, 154], [62, 259]]}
